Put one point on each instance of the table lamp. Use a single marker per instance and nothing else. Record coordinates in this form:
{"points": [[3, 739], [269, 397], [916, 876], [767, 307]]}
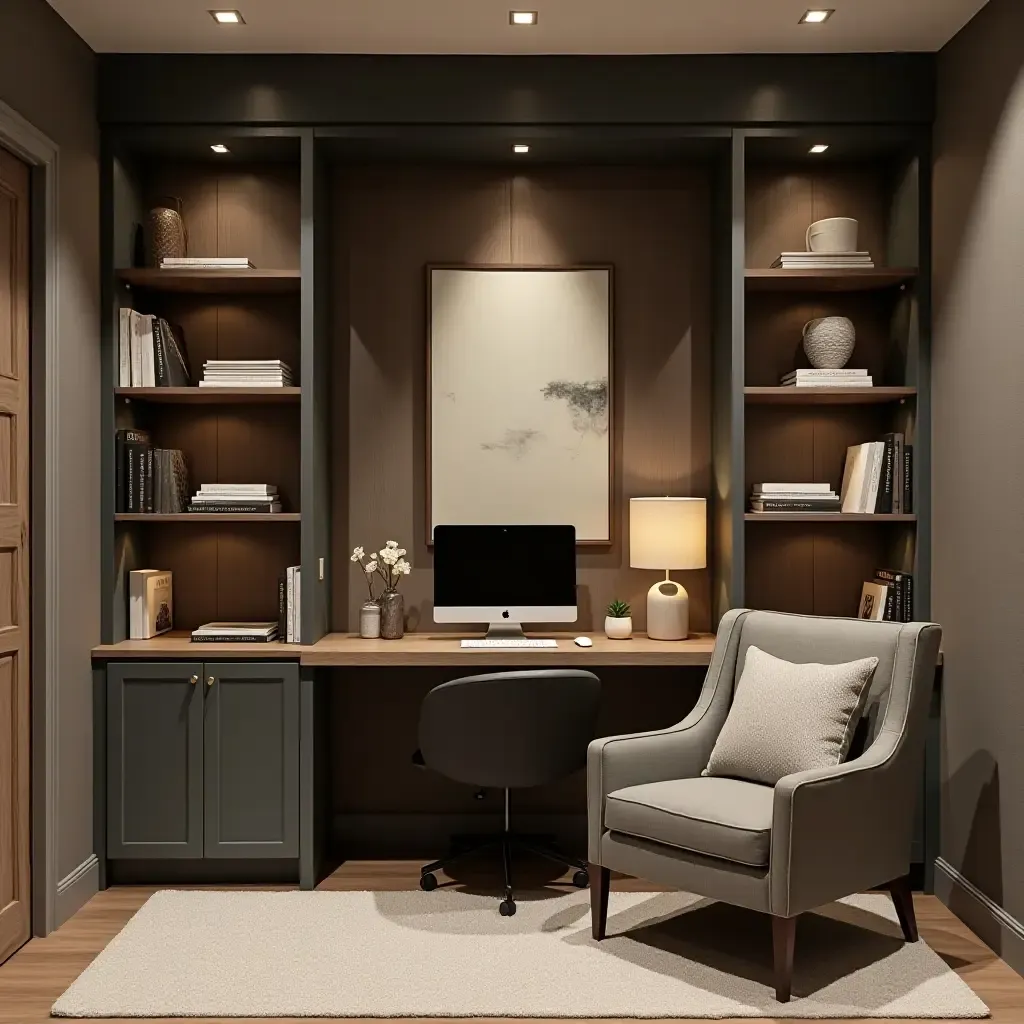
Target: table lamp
{"points": [[668, 533]]}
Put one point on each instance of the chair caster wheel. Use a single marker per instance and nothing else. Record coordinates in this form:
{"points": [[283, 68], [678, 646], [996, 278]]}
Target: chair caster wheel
{"points": [[428, 882], [506, 908], [581, 879]]}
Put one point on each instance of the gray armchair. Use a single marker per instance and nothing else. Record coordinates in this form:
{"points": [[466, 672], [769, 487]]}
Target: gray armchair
{"points": [[815, 836]]}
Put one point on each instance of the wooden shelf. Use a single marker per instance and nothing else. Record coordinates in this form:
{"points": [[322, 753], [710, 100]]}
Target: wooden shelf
{"points": [[212, 396], [826, 517], [854, 280], [178, 644], [211, 282], [827, 396], [207, 517]]}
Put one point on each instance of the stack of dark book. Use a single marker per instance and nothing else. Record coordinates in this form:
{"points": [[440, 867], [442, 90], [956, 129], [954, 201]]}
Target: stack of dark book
{"points": [[236, 498], [148, 479], [806, 498], [878, 477], [889, 597], [151, 353]]}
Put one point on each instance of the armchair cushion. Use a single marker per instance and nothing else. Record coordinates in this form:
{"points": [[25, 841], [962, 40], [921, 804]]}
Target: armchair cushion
{"points": [[723, 818], [788, 717]]}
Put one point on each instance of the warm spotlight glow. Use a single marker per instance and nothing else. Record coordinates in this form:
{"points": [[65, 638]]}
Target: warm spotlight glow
{"points": [[520, 148], [227, 17], [816, 17], [819, 148], [522, 17], [219, 147]]}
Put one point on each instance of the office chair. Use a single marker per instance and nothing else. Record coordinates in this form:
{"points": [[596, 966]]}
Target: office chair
{"points": [[509, 730]]}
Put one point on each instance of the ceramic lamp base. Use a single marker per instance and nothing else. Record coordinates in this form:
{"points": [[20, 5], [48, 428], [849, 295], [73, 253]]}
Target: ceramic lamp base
{"points": [[668, 611]]}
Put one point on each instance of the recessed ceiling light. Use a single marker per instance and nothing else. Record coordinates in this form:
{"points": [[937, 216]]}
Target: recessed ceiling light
{"points": [[819, 148], [219, 147], [522, 17], [520, 147], [817, 16], [227, 17]]}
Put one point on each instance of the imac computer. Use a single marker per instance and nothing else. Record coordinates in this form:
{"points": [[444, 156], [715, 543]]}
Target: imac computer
{"points": [[505, 576]]}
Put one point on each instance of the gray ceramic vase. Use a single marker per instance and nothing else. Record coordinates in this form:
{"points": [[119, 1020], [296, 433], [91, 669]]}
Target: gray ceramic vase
{"points": [[392, 616], [829, 341]]}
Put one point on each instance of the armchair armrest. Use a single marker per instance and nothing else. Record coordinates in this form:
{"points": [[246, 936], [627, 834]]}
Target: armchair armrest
{"points": [[679, 752]]}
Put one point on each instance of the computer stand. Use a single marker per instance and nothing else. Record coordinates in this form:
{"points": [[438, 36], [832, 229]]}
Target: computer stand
{"points": [[509, 842], [505, 631]]}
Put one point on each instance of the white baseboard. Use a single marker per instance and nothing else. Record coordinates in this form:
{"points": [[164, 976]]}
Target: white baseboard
{"points": [[76, 888], [989, 921]]}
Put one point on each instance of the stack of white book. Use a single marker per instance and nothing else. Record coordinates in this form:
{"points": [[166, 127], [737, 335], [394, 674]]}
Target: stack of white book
{"points": [[206, 263], [236, 498], [800, 497], [828, 379], [823, 261], [235, 633], [246, 373]]}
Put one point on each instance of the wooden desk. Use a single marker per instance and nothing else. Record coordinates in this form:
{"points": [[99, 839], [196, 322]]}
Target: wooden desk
{"points": [[417, 649]]}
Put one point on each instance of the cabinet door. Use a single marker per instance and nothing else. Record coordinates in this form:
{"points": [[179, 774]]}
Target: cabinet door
{"points": [[252, 760], [154, 760]]}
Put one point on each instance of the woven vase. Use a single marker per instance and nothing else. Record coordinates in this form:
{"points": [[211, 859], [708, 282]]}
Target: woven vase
{"points": [[166, 230], [829, 341]]}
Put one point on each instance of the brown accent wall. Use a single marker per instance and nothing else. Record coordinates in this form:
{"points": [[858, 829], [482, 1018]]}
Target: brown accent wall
{"points": [[652, 225], [978, 380], [47, 75]]}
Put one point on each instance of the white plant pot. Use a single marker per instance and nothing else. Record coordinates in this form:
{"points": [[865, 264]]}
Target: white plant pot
{"points": [[618, 628]]}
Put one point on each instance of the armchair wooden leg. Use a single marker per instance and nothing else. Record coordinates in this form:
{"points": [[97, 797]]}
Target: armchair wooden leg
{"points": [[600, 879], [903, 901], [784, 944]]}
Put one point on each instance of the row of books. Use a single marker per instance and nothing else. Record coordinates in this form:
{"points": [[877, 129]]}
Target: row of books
{"points": [[289, 605], [148, 479], [150, 352], [246, 373], [828, 379], [889, 597], [823, 261], [793, 497], [236, 498], [206, 263], [879, 477]]}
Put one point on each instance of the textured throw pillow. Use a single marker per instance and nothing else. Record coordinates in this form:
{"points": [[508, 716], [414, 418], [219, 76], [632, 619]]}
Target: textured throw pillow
{"points": [[786, 717]]}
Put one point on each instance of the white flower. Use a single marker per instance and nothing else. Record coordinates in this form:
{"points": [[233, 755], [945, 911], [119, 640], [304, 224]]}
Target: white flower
{"points": [[388, 556], [402, 567], [370, 566], [357, 554], [391, 544], [400, 552]]}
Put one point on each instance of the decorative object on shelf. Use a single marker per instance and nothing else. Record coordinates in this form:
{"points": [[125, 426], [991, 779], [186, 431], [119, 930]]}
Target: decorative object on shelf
{"points": [[618, 623], [797, 497], [519, 401], [875, 477], [833, 235], [151, 604], [369, 620], [166, 230], [390, 564], [829, 341], [668, 533]]}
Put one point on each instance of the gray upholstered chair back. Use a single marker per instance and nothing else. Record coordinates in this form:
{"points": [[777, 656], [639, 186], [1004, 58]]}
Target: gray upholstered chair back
{"points": [[510, 729], [804, 638]]}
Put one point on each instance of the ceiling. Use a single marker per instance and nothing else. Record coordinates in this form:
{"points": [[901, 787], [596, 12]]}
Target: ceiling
{"points": [[482, 26]]}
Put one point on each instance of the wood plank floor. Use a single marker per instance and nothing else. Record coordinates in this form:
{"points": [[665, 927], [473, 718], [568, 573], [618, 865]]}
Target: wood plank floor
{"points": [[35, 976]]}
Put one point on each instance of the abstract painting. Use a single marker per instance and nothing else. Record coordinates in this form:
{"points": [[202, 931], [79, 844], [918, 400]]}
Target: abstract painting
{"points": [[520, 397]]}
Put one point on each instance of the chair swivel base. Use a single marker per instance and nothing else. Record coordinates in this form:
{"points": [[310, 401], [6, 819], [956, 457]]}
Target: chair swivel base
{"points": [[508, 843]]}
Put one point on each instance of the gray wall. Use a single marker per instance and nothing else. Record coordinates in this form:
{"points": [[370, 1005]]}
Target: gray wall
{"points": [[978, 376], [47, 75]]}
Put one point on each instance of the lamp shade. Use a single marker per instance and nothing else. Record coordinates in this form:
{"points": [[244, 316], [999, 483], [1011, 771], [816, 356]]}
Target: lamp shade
{"points": [[668, 533]]}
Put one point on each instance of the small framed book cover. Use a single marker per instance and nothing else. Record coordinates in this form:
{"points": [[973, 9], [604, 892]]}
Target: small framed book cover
{"points": [[873, 597], [151, 603]]}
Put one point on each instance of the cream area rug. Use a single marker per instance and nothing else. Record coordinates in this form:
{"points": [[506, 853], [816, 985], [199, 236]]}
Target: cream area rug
{"points": [[449, 954]]}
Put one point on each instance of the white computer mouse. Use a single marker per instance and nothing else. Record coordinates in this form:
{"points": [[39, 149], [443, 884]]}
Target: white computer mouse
{"points": [[583, 641]]}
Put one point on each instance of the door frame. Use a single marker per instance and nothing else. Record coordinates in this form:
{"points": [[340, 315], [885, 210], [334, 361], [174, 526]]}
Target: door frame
{"points": [[42, 155]]}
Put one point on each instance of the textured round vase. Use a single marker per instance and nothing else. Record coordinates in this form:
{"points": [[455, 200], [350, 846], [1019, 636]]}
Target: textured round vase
{"points": [[829, 341], [392, 616], [618, 627], [166, 233]]}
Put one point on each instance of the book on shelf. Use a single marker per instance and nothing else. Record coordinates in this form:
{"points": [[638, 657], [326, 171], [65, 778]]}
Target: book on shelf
{"points": [[150, 603], [235, 633], [823, 261], [793, 497], [292, 610], [148, 479], [874, 477], [151, 353], [908, 479], [236, 498], [828, 379], [247, 507], [772, 488], [240, 373], [873, 597], [206, 263], [900, 594]]}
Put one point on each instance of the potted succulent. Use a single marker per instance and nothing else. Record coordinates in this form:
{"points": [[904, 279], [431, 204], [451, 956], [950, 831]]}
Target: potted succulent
{"points": [[618, 625], [390, 565]]}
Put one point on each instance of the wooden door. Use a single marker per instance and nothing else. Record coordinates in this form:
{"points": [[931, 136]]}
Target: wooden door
{"points": [[15, 916], [155, 760], [251, 767]]}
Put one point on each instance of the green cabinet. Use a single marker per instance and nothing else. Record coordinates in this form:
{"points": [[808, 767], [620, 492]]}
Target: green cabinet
{"points": [[202, 760]]}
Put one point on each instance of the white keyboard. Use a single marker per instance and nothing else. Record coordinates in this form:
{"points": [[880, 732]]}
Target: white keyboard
{"points": [[510, 643]]}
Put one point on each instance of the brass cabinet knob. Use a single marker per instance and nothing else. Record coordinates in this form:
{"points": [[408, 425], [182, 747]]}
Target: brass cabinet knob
{"points": [[194, 680], [209, 680]]}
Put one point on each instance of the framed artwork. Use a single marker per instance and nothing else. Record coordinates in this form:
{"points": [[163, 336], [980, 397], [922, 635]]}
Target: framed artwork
{"points": [[519, 399]]}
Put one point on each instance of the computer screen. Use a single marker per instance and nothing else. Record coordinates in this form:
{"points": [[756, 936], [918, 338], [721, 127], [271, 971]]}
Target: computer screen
{"points": [[517, 573]]}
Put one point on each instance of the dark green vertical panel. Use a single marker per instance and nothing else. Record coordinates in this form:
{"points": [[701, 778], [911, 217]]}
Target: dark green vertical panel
{"points": [[316, 375]]}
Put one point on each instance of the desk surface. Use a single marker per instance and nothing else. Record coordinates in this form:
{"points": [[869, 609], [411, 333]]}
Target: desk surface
{"points": [[347, 649]]}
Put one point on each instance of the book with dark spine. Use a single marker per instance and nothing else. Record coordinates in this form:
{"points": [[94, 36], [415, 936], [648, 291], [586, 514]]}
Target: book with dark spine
{"points": [[123, 438], [219, 507], [795, 505], [179, 373], [883, 501], [150, 505], [159, 354], [282, 607], [908, 479], [897, 475]]}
